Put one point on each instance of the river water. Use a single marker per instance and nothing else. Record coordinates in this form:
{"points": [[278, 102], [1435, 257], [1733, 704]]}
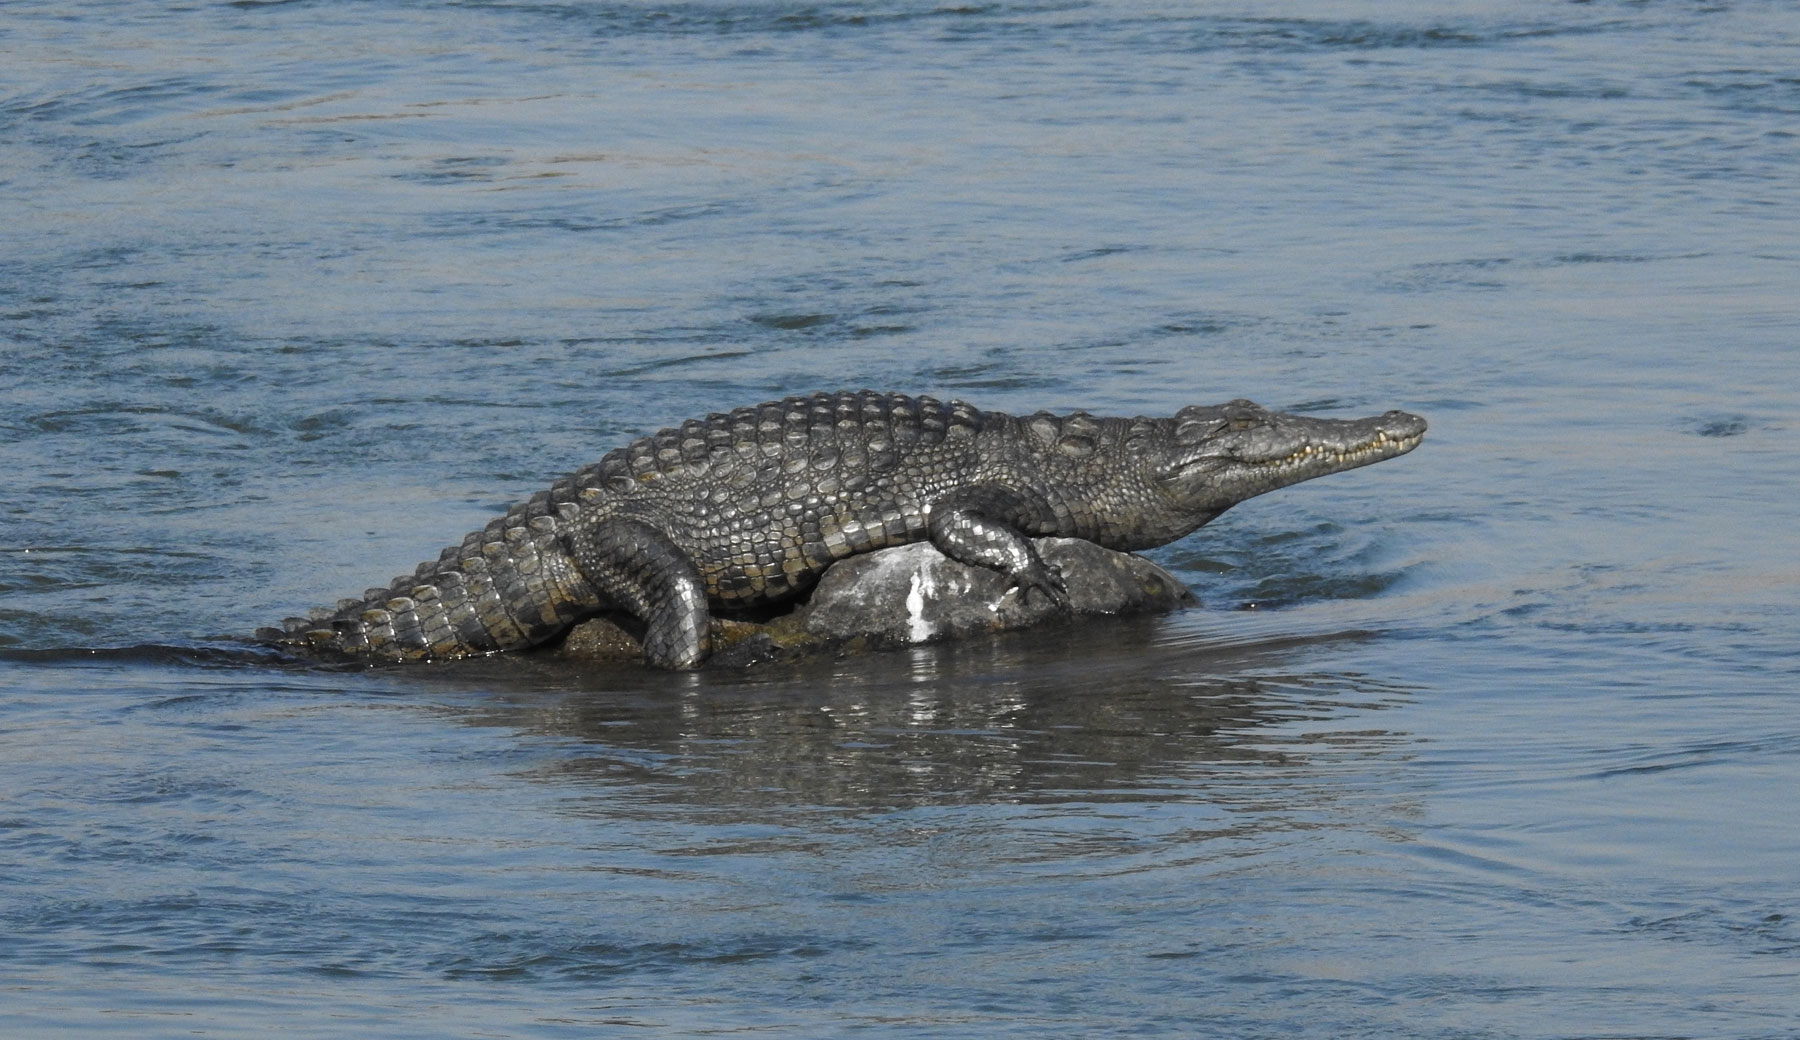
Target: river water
{"points": [[292, 294]]}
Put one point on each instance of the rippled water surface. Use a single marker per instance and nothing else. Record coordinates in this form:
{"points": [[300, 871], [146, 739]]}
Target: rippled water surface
{"points": [[293, 294]]}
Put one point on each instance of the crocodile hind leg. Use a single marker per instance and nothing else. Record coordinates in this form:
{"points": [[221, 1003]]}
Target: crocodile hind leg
{"points": [[640, 570]]}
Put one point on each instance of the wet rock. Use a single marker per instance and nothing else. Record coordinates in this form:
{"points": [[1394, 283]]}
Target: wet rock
{"points": [[914, 594]]}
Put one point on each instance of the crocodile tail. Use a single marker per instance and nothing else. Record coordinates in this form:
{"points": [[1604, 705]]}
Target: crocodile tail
{"points": [[508, 586]]}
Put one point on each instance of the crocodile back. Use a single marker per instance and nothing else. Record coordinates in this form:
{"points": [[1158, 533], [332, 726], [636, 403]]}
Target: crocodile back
{"points": [[762, 499]]}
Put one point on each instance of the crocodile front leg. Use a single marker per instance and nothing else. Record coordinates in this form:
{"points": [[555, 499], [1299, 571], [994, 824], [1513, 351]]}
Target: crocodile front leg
{"points": [[984, 526], [640, 570]]}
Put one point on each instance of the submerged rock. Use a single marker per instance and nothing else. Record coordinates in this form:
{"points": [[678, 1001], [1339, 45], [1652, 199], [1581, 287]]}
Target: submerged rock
{"points": [[914, 594]]}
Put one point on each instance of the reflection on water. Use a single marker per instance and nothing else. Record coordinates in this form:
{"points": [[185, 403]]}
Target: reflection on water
{"points": [[1116, 712]]}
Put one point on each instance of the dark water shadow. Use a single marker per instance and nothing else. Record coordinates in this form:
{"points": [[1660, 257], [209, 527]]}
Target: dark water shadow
{"points": [[222, 655], [1124, 710]]}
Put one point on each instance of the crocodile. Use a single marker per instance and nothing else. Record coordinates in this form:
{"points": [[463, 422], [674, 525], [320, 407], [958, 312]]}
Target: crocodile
{"points": [[747, 508]]}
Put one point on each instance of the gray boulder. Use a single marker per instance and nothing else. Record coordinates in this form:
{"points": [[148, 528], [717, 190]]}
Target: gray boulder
{"points": [[914, 594]]}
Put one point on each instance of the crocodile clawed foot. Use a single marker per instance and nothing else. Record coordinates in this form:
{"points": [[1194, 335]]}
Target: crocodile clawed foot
{"points": [[1046, 581]]}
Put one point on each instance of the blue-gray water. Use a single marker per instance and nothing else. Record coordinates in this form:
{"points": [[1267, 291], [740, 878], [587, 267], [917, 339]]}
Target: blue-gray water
{"points": [[293, 294]]}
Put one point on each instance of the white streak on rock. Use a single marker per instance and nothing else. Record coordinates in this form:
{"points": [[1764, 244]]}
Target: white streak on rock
{"points": [[918, 629]]}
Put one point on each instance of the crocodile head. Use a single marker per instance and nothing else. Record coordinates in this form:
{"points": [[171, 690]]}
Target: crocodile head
{"points": [[1215, 457]]}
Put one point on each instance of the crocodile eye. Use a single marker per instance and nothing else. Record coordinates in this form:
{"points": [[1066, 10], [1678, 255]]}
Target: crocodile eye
{"points": [[1243, 424], [1194, 431]]}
